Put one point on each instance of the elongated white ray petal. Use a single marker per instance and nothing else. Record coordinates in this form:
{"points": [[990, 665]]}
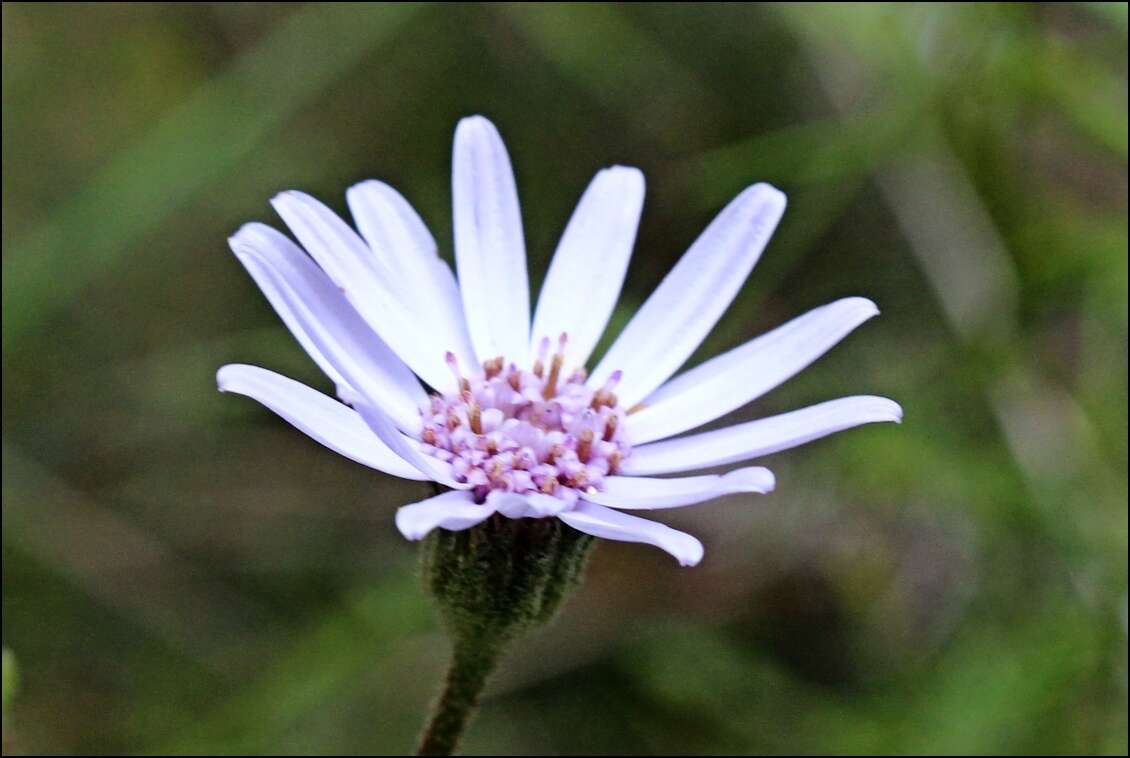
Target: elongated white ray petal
{"points": [[490, 249], [402, 243], [643, 493], [526, 505], [368, 285], [599, 521], [745, 373], [454, 511], [390, 225], [433, 468], [332, 242], [338, 334], [322, 418], [761, 437], [584, 280], [693, 296], [280, 302]]}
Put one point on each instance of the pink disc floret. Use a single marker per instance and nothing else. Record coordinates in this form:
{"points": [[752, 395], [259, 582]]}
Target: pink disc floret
{"points": [[537, 430]]}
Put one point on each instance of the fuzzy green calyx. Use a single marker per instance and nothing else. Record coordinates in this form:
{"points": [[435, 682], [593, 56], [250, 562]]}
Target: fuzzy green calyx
{"points": [[500, 579]]}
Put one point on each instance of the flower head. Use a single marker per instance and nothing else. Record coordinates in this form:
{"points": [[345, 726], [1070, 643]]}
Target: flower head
{"points": [[511, 422]]}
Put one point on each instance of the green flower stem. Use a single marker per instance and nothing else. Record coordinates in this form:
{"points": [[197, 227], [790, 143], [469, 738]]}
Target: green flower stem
{"points": [[470, 666]]}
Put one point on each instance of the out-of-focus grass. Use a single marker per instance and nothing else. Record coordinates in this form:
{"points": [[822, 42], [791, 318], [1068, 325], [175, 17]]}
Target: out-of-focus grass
{"points": [[183, 572]]}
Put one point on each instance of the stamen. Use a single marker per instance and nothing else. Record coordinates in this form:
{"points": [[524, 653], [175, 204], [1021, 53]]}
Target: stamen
{"points": [[507, 428], [493, 367], [584, 445], [453, 364], [605, 395], [579, 479], [636, 408], [610, 427], [475, 417], [555, 368], [613, 380], [543, 352]]}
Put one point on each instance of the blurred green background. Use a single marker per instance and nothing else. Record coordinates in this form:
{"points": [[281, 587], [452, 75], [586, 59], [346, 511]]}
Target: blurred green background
{"points": [[184, 572]]}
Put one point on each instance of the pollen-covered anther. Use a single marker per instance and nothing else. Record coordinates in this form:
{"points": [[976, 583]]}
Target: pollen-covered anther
{"points": [[543, 353], [453, 364], [584, 445], [610, 427], [474, 415], [493, 367], [550, 389], [519, 430]]}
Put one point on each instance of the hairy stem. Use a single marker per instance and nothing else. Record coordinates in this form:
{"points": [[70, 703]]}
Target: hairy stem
{"points": [[471, 664]]}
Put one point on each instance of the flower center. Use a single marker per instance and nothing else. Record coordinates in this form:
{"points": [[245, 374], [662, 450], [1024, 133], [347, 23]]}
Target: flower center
{"points": [[536, 430]]}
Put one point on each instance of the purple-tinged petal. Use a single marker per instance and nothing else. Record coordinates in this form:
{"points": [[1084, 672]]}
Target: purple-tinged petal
{"points": [[400, 240], [687, 304], [752, 439], [407, 448], [643, 493], [745, 373], [526, 504], [599, 521], [316, 310], [454, 511], [587, 271], [324, 419], [367, 283], [490, 248]]}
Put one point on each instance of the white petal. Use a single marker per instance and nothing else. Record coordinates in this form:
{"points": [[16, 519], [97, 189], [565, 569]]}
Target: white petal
{"points": [[526, 505], [398, 237], [434, 469], [339, 335], [745, 373], [454, 511], [324, 419], [395, 233], [280, 302], [634, 492], [584, 280], [693, 296], [333, 243], [761, 437], [368, 285], [490, 250], [599, 521]]}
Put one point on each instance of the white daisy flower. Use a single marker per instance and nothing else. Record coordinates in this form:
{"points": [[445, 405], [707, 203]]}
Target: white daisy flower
{"points": [[448, 381]]}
